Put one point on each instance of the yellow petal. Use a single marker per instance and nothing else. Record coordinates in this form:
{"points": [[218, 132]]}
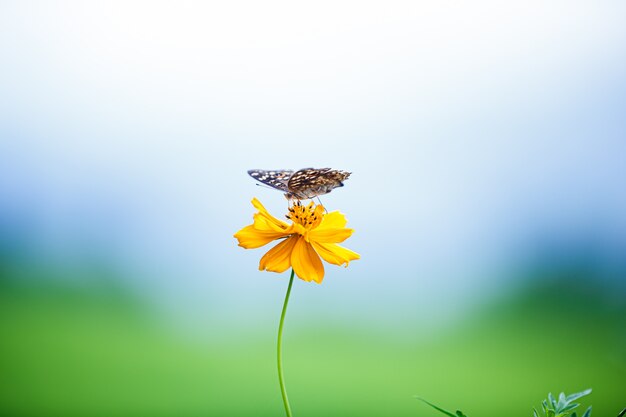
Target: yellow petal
{"points": [[266, 215], [333, 220], [306, 263], [263, 222], [278, 259], [335, 254], [329, 235], [250, 237]]}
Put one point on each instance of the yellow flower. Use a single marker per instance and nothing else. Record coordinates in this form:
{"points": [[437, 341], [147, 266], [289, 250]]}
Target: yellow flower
{"points": [[311, 234]]}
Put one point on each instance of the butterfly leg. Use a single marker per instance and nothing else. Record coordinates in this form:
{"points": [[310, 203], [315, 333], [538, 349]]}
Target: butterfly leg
{"points": [[320, 201]]}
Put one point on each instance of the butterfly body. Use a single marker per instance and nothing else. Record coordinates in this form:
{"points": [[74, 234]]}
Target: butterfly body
{"points": [[302, 184]]}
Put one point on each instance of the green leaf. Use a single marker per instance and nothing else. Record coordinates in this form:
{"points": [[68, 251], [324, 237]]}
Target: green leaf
{"points": [[588, 412], [535, 413], [569, 407], [623, 413], [577, 395], [441, 410], [552, 401], [459, 413]]}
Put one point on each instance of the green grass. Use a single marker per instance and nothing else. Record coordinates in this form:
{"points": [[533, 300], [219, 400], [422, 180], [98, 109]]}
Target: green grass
{"points": [[79, 353]]}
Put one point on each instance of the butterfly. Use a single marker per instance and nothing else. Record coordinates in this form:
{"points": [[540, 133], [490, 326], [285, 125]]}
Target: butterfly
{"points": [[302, 184]]}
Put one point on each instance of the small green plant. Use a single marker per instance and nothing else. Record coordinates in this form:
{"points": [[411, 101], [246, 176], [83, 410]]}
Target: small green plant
{"points": [[458, 413], [551, 407], [564, 406]]}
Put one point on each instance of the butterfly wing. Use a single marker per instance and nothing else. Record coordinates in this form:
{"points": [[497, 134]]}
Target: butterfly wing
{"points": [[306, 178], [277, 179], [311, 182]]}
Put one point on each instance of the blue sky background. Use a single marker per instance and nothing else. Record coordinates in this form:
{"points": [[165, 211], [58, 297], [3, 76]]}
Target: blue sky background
{"points": [[483, 137]]}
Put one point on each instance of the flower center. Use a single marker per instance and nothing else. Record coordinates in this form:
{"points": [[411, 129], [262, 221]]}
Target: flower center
{"points": [[308, 216]]}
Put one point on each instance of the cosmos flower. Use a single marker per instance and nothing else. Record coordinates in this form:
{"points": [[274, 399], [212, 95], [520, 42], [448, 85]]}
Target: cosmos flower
{"points": [[311, 235]]}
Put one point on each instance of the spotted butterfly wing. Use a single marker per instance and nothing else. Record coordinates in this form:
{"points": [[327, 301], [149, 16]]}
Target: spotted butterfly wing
{"points": [[311, 182], [303, 184], [276, 179]]}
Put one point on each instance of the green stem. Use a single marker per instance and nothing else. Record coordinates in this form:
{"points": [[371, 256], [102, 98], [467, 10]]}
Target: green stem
{"points": [[281, 378]]}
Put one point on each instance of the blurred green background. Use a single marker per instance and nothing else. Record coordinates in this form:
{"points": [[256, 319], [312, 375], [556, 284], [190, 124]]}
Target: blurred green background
{"points": [[97, 351]]}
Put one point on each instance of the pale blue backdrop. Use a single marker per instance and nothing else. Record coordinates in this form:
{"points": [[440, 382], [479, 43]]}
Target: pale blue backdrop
{"points": [[482, 136]]}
